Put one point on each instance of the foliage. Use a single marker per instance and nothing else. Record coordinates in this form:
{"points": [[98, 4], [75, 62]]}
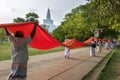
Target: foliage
{"points": [[32, 17], [29, 17], [2, 36], [18, 19], [59, 34], [84, 19], [108, 14], [73, 27]]}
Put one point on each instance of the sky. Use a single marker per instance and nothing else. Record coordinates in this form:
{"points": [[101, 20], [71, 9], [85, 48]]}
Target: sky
{"points": [[10, 9]]}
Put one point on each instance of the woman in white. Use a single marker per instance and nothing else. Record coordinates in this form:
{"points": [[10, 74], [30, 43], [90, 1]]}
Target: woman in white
{"points": [[67, 50], [107, 45], [99, 46]]}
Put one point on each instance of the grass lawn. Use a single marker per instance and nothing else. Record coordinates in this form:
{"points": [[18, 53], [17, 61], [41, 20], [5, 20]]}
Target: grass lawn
{"points": [[5, 50], [112, 69]]}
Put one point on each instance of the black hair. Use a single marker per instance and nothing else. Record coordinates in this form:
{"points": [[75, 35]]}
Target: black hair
{"points": [[19, 34]]}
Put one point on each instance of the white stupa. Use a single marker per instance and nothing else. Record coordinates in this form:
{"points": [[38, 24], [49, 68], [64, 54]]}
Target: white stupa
{"points": [[49, 22]]}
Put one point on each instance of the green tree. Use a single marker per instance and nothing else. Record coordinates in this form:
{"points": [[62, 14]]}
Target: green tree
{"points": [[59, 34], [84, 19], [73, 26], [32, 17], [102, 14], [2, 36], [18, 19]]}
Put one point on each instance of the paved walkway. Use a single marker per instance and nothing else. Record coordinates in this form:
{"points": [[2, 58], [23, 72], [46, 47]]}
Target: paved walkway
{"points": [[53, 66]]}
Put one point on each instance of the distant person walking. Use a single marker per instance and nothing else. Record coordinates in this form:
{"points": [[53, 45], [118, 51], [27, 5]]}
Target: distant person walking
{"points": [[99, 46], [92, 48], [107, 46], [67, 50], [19, 54]]}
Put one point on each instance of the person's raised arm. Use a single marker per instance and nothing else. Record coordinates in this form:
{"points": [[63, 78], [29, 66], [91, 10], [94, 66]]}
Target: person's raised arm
{"points": [[34, 29], [7, 32]]}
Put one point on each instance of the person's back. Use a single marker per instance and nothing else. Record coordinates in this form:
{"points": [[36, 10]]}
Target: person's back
{"points": [[19, 49], [99, 43], [19, 53], [92, 48], [99, 46], [93, 44]]}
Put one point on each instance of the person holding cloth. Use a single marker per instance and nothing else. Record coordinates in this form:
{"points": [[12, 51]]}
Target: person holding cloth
{"points": [[19, 54], [67, 50]]}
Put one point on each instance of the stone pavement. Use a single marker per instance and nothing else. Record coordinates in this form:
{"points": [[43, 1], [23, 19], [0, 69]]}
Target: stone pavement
{"points": [[53, 66]]}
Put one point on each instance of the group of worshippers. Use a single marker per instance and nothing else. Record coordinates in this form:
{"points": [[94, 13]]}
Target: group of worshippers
{"points": [[96, 46]]}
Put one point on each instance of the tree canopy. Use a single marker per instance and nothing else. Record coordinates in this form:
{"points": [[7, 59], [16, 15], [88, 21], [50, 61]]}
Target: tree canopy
{"points": [[31, 16], [81, 22]]}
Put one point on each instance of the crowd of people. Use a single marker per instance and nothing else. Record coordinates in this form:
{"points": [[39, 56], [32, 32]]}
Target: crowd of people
{"points": [[97, 46]]}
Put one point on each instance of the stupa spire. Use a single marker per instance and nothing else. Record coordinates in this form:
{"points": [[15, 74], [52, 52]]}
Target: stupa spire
{"points": [[48, 14]]}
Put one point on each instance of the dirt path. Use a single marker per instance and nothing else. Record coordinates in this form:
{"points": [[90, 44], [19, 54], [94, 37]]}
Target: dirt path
{"points": [[53, 66]]}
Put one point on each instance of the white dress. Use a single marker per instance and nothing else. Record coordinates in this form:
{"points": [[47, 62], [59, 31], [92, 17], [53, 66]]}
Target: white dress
{"points": [[106, 45], [67, 51], [92, 50]]}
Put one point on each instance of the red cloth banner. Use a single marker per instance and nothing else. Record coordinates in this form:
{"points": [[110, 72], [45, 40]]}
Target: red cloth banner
{"points": [[72, 43], [90, 39], [42, 40]]}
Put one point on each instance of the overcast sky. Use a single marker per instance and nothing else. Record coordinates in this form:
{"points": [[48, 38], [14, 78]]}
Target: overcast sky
{"points": [[10, 9]]}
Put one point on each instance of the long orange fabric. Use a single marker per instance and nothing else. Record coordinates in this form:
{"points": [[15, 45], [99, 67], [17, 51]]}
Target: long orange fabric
{"points": [[90, 39], [72, 43]]}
